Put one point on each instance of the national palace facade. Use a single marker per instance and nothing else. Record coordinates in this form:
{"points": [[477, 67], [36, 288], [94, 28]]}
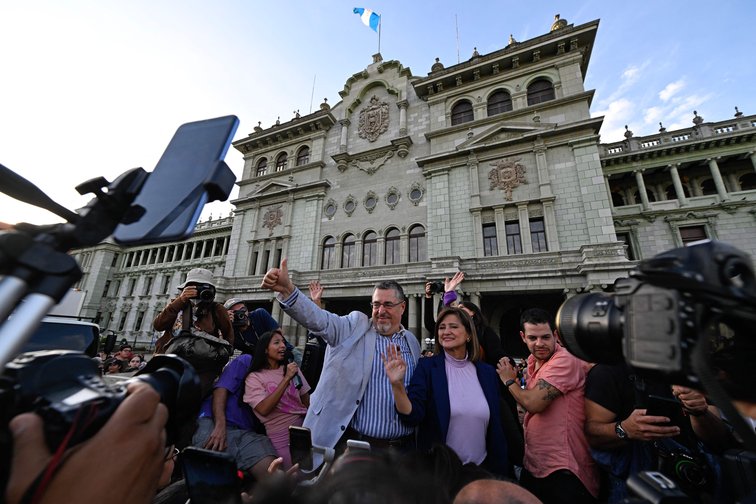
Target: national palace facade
{"points": [[492, 166]]}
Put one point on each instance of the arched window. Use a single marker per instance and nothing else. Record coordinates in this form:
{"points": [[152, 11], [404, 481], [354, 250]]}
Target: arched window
{"points": [[370, 249], [747, 181], [617, 199], [708, 187], [262, 167], [418, 250], [281, 161], [303, 156], [462, 112], [539, 91], [392, 246], [348, 252], [329, 249], [499, 102]]}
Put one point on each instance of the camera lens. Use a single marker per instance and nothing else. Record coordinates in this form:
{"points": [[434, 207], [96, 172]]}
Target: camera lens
{"points": [[591, 328], [206, 294], [179, 387]]}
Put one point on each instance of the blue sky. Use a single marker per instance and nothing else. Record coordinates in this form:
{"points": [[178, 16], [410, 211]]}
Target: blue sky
{"points": [[95, 87]]}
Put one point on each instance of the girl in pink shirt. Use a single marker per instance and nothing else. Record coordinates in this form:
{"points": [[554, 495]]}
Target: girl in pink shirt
{"points": [[272, 394]]}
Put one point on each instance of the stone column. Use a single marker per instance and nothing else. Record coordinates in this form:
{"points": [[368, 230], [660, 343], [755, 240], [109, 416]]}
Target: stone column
{"points": [[523, 217], [412, 324], [175, 253], [641, 189], [608, 190], [717, 176], [678, 184], [344, 130], [337, 251], [543, 171], [501, 231], [549, 222], [204, 247], [381, 250], [478, 233], [402, 105], [272, 257], [260, 269], [752, 155], [475, 298]]}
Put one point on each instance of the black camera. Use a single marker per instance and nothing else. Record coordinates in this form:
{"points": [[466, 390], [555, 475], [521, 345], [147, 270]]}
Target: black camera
{"points": [[241, 317], [436, 287], [205, 292], [655, 318], [65, 388]]}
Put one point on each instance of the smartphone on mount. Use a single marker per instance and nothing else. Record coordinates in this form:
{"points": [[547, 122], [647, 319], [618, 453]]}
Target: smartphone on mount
{"points": [[190, 173], [211, 477], [300, 447]]}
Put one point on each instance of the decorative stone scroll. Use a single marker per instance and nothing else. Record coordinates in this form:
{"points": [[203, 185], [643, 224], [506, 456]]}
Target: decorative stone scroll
{"points": [[506, 175], [374, 120]]}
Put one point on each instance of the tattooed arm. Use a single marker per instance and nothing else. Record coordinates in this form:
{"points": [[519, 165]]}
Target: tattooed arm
{"points": [[536, 399]]}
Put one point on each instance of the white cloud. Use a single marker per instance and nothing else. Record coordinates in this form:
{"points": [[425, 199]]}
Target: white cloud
{"points": [[616, 115], [652, 114], [671, 89]]}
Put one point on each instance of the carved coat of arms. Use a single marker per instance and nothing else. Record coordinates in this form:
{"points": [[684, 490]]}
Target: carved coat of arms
{"points": [[374, 120], [272, 217], [506, 175]]}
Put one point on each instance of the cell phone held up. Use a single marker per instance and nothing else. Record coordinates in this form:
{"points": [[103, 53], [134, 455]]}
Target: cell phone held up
{"points": [[211, 477], [300, 447], [666, 407]]}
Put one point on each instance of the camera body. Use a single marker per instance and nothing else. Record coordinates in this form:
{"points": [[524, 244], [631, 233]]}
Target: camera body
{"points": [[205, 292], [436, 287], [241, 318], [704, 293], [65, 388]]}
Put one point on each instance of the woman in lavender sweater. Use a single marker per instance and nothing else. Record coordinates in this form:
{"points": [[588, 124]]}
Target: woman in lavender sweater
{"points": [[453, 396]]}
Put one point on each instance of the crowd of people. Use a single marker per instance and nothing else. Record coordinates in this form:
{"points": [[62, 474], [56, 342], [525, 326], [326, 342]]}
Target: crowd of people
{"points": [[442, 426], [124, 360]]}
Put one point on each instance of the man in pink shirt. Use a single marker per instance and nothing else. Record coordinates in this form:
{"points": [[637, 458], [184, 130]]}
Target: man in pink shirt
{"points": [[558, 466]]}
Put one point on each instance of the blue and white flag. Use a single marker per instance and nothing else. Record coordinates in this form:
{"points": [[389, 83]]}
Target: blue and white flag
{"points": [[369, 18]]}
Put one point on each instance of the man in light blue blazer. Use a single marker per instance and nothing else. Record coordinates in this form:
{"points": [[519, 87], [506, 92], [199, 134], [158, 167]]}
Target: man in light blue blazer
{"points": [[353, 399]]}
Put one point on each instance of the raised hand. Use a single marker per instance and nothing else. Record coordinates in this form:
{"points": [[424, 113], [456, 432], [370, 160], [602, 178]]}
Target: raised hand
{"points": [[394, 365], [277, 280], [316, 292], [450, 285]]}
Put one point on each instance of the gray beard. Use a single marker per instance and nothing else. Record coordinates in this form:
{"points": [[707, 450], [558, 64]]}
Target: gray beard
{"points": [[382, 327]]}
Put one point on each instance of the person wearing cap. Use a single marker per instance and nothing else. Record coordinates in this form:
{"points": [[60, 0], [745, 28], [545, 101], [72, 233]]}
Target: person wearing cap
{"points": [[197, 298], [248, 326]]}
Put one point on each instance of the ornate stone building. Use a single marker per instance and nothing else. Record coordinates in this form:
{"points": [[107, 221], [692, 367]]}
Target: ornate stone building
{"points": [[492, 166]]}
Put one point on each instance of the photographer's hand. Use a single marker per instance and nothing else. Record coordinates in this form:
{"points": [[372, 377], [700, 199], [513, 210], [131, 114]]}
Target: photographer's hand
{"points": [[428, 293], [645, 428], [134, 438], [188, 293]]}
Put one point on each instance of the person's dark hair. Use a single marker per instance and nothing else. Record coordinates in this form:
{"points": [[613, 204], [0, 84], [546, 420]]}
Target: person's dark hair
{"points": [[478, 318], [472, 346], [392, 285], [260, 358], [536, 316]]}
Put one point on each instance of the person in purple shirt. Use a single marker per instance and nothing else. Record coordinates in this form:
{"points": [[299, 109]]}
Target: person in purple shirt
{"points": [[226, 424], [453, 396]]}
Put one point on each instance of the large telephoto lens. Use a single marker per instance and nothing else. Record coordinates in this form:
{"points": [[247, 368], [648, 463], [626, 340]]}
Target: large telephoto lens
{"points": [[590, 326]]}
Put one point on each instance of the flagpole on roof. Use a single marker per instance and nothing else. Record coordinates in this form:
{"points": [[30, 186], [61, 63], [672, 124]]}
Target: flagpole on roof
{"points": [[379, 35]]}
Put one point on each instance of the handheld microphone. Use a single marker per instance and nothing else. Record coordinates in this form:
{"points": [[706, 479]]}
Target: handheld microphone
{"points": [[297, 381]]}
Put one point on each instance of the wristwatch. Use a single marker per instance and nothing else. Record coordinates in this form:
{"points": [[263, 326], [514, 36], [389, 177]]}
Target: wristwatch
{"points": [[509, 382], [620, 431]]}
